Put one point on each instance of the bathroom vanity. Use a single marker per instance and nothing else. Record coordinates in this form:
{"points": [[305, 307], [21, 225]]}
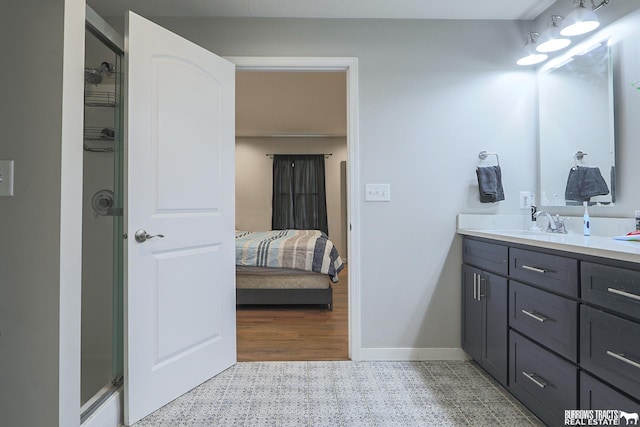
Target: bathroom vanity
{"points": [[554, 318]]}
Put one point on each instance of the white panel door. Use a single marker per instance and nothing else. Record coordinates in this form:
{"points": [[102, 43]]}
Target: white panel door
{"points": [[180, 288]]}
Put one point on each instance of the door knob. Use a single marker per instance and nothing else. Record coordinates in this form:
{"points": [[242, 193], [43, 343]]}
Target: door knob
{"points": [[142, 236]]}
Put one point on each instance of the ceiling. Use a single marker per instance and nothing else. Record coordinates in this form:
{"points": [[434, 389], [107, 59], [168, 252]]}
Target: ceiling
{"points": [[396, 9], [276, 103]]}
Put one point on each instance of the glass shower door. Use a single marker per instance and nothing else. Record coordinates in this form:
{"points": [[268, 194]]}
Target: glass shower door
{"points": [[102, 228]]}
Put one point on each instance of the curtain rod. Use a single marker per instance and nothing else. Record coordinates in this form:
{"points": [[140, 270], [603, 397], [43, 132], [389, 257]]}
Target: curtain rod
{"points": [[326, 155]]}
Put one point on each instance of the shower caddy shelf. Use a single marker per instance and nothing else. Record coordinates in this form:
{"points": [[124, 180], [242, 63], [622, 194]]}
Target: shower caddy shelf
{"points": [[98, 134], [98, 149], [100, 99], [102, 134]]}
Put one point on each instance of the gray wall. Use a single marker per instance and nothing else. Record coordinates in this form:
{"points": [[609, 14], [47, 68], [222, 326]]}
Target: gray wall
{"points": [[40, 244], [432, 95]]}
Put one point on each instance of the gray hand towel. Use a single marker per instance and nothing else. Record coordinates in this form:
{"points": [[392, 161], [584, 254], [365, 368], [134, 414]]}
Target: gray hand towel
{"points": [[490, 184], [584, 183]]}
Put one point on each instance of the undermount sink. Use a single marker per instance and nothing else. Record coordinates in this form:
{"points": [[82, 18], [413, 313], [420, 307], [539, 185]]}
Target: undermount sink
{"points": [[521, 232]]}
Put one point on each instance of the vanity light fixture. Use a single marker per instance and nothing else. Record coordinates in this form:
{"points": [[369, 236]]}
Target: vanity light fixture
{"points": [[530, 55], [551, 40], [581, 19]]}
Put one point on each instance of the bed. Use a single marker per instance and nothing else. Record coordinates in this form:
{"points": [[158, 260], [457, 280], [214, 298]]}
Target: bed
{"points": [[286, 267]]}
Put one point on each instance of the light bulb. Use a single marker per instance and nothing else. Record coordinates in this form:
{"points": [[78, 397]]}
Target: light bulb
{"points": [[551, 40], [580, 20]]}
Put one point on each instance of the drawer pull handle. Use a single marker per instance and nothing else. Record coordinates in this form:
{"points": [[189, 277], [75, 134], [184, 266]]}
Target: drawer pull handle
{"points": [[535, 316], [623, 359], [535, 269], [537, 382], [623, 293]]}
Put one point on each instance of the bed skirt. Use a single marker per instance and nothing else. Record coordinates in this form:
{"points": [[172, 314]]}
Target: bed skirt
{"points": [[287, 288]]}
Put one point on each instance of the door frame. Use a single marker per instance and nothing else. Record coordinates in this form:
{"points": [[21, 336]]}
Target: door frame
{"points": [[350, 66]]}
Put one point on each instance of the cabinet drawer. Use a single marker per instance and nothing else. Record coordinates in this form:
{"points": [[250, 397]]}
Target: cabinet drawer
{"points": [[556, 273], [610, 349], [611, 287], [543, 381], [487, 256], [594, 394], [549, 319]]}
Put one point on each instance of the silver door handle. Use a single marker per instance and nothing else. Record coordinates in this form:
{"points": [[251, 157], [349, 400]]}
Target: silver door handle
{"points": [[537, 382], [142, 236], [475, 286], [623, 293], [624, 359], [534, 315], [477, 279], [536, 269]]}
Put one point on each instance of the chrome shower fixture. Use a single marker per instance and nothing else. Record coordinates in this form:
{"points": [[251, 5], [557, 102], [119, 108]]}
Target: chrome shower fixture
{"points": [[96, 75]]}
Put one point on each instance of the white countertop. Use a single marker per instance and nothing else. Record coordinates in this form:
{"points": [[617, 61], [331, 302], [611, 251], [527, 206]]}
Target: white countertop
{"points": [[602, 246]]}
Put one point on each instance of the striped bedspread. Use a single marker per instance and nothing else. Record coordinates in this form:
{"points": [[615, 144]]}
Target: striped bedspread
{"points": [[309, 250]]}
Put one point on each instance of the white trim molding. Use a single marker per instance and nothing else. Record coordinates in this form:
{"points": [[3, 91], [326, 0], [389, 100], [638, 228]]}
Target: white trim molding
{"points": [[414, 354], [350, 65], [109, 414]]}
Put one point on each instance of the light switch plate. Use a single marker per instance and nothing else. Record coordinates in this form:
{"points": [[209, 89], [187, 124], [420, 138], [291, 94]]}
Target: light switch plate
{"points": [[377, 193], [6, 177]]}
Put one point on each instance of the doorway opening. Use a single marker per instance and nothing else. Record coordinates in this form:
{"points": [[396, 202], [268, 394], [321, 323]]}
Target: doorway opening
{"points": [[310, 109]]}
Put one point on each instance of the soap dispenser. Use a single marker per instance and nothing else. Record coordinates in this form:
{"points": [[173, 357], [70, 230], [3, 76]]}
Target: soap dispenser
{"points": [[585, 218], [533, 225]]}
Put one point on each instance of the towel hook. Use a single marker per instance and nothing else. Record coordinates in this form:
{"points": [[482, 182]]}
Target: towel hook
{"points": [[578, 156], [483, 155]]}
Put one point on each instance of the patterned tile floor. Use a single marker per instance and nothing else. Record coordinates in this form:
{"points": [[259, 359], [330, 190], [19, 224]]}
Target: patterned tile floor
{"points": [[368, 394]]}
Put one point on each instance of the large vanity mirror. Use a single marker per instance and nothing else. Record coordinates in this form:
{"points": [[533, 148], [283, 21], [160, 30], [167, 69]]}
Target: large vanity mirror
{"points": [[577, 139], [578, 131]]}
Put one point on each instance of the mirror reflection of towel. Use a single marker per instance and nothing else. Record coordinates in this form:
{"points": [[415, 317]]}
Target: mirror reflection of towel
{"points": [[584, 183], [490, 184]]}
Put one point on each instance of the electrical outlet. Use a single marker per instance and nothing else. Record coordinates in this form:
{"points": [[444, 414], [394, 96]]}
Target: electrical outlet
{"points": [[6, 177], [525, 199]]}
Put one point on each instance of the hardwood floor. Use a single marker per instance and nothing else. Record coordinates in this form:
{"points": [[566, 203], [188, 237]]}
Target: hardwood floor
{"points": [[287, 333]]}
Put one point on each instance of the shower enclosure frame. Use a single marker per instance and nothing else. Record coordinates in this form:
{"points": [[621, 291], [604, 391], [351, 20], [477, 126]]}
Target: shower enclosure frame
{"points": [[113, 41]]}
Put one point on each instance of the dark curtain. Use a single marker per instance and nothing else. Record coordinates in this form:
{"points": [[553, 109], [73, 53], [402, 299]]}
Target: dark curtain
{"points": [[299, 197]]}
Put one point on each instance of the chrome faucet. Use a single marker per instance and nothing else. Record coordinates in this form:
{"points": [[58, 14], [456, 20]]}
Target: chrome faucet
{"points": [[555, 225]]}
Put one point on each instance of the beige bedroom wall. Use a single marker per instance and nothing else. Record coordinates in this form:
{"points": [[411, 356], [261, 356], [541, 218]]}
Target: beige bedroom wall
{"points": [[254, 178]]}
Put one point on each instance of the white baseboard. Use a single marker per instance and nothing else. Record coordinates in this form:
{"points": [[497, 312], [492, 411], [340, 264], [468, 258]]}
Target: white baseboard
{"points": [[413, 354], [109, 414]]}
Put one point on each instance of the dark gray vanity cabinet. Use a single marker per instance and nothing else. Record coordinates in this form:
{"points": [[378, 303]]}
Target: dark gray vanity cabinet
{"points": [[554, 273], [610, 348], [594, 394], [484, 301], [544, 382], [549, 319], [471, 313], [612, 288], [571, 322], [610, 325], [543, 322]]}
